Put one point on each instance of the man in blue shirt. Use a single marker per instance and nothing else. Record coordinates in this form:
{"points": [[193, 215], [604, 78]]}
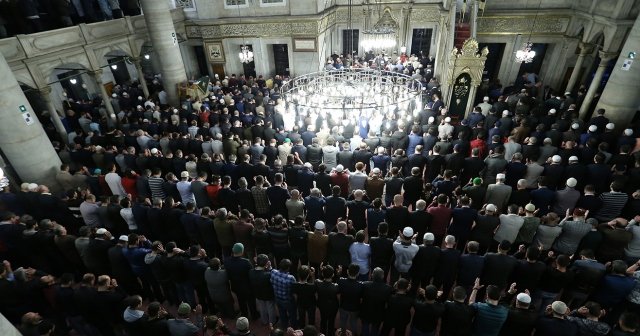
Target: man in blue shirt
{"points": [[490, 316], [282, 282]]}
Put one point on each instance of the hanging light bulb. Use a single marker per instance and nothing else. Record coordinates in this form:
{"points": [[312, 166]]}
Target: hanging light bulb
{"points": [[147, 56], [114, 66], [73, 81]]}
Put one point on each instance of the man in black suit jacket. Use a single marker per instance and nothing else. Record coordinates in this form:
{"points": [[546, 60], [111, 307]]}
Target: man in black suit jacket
{"points": [[498, 266], [96, 256], [338, 248]]}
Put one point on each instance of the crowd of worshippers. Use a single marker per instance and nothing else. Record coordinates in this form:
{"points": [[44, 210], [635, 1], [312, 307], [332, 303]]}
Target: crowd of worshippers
{"points": [[33, 16], [518, 219]]}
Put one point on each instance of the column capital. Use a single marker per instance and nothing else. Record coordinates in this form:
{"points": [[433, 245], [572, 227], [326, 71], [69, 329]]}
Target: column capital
{"points": [[585, 48], [97, 73], [606, 56], [45, 91]]}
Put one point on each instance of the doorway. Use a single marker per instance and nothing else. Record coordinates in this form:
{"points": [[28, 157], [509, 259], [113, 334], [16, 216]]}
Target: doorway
{"points": [[73, 84], [119, 70], [421, 42], [350, 41], [202, 60], [218, 69], [536, 64], [249, 68], [494, 58], [281, 59]]}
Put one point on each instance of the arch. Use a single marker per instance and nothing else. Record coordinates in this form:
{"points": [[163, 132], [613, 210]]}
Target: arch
{"points": [[117, 48], [597, 38], [69, 66], [24, 78]]}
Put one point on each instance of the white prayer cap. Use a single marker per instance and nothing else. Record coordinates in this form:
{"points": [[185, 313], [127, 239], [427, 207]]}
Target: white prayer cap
{"points": [[628, 132], [500, 176], [573, 158], [552, 111], [611, 126], [505, 113], [447, 120], [407, 232], [575, 126], [556, 159], [114, 95], [593, 128], [486, 98]]}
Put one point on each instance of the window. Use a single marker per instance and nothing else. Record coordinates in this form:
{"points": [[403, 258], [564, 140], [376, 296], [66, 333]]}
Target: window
{"points": [[270, 3], [186, 4], [230, 4]]}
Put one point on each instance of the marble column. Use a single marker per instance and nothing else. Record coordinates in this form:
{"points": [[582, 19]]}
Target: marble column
{"points": [[473, 22], [106, 99], [620, 97], [605, 57], [45, 93], [164, 39], [141, 79], [22, 138], [585, 49]]}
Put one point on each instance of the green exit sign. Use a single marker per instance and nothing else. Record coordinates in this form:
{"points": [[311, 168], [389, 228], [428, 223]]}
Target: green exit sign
{"points": [[23, 109]]}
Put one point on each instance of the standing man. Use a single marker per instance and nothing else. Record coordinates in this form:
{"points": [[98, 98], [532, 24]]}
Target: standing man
{"points": [[282, 282]]}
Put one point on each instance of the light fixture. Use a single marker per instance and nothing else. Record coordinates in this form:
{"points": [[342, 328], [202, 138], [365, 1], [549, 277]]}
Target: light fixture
{"points": [[147, 56], [382, 36], [114, 66], [526, 54], [245, 54], [73, 81], [4, 181], [84, 86], [347, 94]]}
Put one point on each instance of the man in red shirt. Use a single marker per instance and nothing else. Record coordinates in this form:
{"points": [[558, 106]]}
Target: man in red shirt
{"points": [[480, 144], [441, 213], [340, 177]]}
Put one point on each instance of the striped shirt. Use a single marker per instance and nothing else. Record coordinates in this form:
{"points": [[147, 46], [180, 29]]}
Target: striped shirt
{"points": [[612, 204], [155, 185]]}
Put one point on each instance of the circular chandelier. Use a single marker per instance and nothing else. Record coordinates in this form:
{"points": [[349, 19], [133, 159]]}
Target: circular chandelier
{"points": [[246, 55], [382, 35], [345, 95]]}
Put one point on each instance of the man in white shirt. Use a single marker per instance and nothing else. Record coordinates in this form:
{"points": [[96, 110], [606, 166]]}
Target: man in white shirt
{"points": [[115, 182], [485, 106], [184, 188]]}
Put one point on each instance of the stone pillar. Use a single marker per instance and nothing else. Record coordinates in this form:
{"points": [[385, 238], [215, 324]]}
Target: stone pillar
{"points": [[141, 79], [22, 138], [620, 97], [165, 44], [106, 99], [605, 57], [585, 49], [472, 97], [45, 93], [473, 19]]}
